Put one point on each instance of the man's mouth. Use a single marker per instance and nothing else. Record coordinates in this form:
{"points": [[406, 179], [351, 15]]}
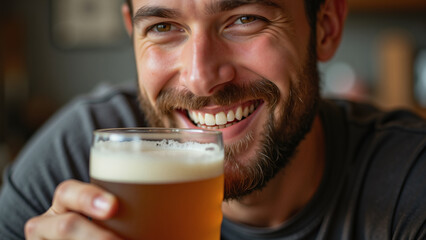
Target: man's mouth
{"points": [[224, 118]]}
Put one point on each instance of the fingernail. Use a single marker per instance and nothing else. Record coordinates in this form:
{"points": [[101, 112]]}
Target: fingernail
{"points": [[103, 202]]}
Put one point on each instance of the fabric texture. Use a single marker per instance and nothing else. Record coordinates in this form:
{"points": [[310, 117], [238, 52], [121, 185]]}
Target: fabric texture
{"points": [[373, 186]]}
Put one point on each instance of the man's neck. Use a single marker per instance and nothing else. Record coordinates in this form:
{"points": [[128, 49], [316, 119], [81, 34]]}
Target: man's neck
{"points": [[288, 192]]}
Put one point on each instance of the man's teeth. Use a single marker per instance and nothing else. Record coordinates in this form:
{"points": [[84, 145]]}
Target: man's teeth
{"points": [[221, 119]]}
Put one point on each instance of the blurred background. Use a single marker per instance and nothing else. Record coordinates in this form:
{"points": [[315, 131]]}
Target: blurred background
{"points": [[54, 50]]}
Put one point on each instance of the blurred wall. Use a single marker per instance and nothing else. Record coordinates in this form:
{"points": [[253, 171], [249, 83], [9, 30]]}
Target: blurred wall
{"points": [[39, 74], [61, 73], [372, 42]]}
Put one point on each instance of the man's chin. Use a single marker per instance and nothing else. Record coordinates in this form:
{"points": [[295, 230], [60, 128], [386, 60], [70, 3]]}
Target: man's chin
{"points": [[241, 165], [243, 149]]}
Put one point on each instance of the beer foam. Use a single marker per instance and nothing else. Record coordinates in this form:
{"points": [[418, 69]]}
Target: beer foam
{"points": [[163, 161]]}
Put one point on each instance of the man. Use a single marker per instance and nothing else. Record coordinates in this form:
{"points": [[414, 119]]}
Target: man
{"points": [[297, 167]]}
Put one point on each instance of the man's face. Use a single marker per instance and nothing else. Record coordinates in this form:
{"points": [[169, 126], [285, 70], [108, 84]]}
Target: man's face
{"points": [[246, 68]]}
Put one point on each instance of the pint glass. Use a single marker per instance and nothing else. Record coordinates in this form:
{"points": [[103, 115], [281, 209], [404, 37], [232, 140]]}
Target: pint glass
{"points": [[169, 182]]}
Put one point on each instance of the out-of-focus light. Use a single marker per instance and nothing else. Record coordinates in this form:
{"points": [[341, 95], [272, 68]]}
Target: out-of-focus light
{"points": [[420, 85], [339, 79]]}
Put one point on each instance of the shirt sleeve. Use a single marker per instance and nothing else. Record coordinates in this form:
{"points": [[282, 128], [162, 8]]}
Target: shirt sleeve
{"points": [[410, 215], [59, 151]]}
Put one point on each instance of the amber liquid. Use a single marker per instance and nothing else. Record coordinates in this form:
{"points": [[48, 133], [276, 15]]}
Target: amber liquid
{"points": [[175, 211]]}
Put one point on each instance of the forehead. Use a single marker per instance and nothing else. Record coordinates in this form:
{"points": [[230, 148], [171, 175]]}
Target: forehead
{"points": [[205, 3], [209, 7]]}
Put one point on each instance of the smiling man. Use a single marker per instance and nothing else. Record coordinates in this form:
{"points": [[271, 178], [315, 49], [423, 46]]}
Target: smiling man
{"points": [[246, 68], [297, 166]]}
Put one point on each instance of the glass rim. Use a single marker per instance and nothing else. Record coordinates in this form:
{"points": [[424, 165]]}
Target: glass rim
{"points": [[153, 130]]}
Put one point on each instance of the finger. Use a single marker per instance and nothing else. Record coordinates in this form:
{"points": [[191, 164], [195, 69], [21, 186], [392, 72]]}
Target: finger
{"points": [[83, 198], [65, 226]]}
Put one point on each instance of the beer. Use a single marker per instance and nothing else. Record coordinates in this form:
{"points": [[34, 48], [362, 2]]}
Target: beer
{"points": [[163, 192]]}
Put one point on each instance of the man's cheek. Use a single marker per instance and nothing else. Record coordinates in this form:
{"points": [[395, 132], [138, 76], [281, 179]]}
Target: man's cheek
{"points": [[155, 70], [144, 96], [146, 89], [265, 58], [281, 68]]}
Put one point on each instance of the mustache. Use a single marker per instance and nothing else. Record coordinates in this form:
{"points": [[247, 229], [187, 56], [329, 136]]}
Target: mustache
{"points": [[169, 100]]}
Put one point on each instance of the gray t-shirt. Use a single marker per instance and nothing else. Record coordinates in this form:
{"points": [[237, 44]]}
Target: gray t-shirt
{"points": [[373, 186]]}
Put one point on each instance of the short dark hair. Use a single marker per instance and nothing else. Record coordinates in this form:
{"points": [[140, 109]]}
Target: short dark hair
{"points": [[129, 3], [311, 6]]}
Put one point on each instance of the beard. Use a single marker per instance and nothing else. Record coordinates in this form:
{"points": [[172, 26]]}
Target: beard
{"points": [[282, 132]]}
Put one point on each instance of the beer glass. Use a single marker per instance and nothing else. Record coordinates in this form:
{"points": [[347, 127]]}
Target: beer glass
{"points": [[169, 182]]}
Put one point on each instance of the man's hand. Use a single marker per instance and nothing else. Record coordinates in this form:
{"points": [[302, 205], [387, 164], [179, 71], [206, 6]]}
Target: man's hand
{"points": [[67, 218]]}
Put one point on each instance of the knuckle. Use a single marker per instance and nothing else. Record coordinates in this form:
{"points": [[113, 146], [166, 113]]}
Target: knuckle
{"points": [[30, 226], [68, 193], [67, 223], [62, 188]]}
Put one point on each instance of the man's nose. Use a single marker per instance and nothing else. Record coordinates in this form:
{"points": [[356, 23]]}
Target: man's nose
{"points": [[206, 66]]}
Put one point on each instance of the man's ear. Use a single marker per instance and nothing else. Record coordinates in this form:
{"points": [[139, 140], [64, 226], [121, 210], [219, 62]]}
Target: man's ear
{"points": [[127, 17], [330, 21]]}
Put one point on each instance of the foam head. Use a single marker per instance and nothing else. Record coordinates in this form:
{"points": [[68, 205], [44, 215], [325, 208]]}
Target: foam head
{"points": [[163, 161]]}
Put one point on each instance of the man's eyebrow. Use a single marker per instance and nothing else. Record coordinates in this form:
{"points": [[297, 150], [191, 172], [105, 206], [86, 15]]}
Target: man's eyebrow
{"points": [[153, 11], [227, 5]]}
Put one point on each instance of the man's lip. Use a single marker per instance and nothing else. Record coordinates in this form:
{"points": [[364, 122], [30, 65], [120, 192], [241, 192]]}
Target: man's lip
{"points": [[215, 109], [220, 117], [230, 132]]}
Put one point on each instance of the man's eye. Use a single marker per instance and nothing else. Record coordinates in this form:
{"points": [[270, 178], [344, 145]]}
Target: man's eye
{"points": [[246, 19], [162, 27]]}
